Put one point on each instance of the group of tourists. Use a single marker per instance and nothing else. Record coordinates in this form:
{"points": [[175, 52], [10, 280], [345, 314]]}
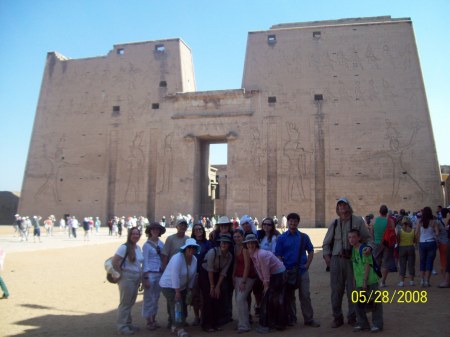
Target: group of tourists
{"points": [[265, 270], [420, 230], [206, 272], [23, 224]]}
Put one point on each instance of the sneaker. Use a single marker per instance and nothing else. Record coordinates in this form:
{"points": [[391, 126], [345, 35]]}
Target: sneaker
{"points": [[182, 333], [411, 283], [382, 284], [375, 329], [358, 328], [126, 331], [401, 284], [434, 272], [422, 282], [243, 331], [313, 324], [196, 321], [264, 329], [425, 284]]}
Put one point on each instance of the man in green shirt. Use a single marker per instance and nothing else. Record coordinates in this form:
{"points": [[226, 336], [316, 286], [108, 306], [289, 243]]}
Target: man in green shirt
{"points": [[366, 290]]}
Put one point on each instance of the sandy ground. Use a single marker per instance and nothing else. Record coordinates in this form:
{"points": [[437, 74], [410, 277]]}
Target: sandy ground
{"points": [[58, 288]]}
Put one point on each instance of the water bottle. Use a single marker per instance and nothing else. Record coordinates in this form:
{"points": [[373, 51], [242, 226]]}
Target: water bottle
{"points": [[178, 312]]}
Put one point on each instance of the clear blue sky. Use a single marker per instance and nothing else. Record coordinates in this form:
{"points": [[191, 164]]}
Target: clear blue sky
{"points": [[216, 31]]}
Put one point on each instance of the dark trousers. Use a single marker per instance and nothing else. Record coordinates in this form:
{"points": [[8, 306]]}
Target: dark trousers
{"points": [[212, 308], [273, 305]]}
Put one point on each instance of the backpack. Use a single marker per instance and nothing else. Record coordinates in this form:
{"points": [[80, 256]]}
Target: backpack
{"points": [[389, 237], [110, 270], [376, 268]]}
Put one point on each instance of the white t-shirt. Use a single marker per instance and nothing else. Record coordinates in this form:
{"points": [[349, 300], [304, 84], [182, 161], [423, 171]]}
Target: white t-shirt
{"points": [[128, 265], [175, 274]]}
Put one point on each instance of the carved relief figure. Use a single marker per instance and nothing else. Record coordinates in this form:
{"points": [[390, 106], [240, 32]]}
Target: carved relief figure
{"points": [[296, 155], [397, 150], [257, 153], [56, 162], [135, 168], [167, 164]]}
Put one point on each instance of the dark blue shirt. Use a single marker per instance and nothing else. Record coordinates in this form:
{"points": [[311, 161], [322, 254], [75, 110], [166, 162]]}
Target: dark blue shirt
{"points": [[288, 246]]}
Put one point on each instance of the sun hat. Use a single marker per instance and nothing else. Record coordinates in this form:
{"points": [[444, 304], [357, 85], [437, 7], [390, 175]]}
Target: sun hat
{"points": [[224, 238], [224, 220], [182, 220], [153, 225], [250, 238], [190, 242]]}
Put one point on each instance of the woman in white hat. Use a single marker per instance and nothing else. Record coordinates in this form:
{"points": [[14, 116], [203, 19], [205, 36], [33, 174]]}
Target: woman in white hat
{"points": [[271, 272], [178, 278]]}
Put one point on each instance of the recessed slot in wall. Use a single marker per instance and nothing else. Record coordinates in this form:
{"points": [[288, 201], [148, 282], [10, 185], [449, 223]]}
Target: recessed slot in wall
{"points": [[317, 35], [155, 106], [162, 84], [120, 51], [272, 99], [160, 48], [318, 97], [271, 39]]}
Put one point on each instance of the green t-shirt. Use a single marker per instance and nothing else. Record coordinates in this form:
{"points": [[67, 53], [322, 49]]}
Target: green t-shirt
{"points": [[358, 268], [378, 229]]}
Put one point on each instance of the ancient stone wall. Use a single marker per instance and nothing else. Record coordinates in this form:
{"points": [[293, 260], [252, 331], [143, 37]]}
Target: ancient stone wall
{"points": [[326, 109]]}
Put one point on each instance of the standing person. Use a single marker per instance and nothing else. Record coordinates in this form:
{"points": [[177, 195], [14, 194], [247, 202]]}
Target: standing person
{"points": [[97, 225], [171, 247], [407, 252], [212, 278], [23, 231], [48, 224], [366, 281], [62, 225], [443, 239], [75, 224], [337, 255], [427, 232], [177, 279], [36, 228], [271, 271], [128, 260], [268, 236], [174, 242], [283, 223], [151, 273], [199, 234], [383, 253], [244, 275], [296, 251], [86, 228], [2, 283]]}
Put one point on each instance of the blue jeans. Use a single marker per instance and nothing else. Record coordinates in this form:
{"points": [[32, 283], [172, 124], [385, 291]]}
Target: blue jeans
{"points": [[427, 251]]}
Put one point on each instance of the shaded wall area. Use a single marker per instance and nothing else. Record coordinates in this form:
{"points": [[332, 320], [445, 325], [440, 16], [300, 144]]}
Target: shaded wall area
{"points": [[9, 201]]}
